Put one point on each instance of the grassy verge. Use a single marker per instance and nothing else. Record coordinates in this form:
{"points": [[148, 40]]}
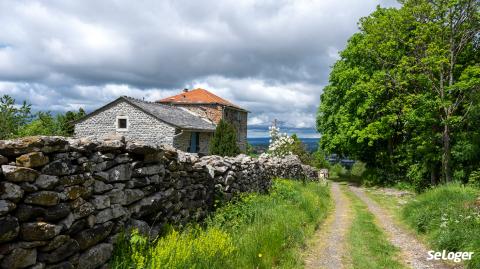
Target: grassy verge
{"points": [[369, 247], [259, 231], [449, 218]]}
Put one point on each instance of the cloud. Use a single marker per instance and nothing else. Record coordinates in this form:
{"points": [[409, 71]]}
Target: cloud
{"points": [[272, 56]]}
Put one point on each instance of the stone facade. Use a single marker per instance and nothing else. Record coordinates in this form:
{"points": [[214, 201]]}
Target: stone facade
{"points": [[182, 141], [64, 201], [141, 126]]}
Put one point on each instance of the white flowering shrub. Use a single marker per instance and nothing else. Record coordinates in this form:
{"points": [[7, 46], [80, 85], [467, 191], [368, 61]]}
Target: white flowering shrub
{"points": [[280, 144]]}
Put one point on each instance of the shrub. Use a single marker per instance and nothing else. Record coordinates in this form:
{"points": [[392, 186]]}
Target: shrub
{"points": [[224, 140], [449, 217], [337, 170], [474, 179], [358, 169]]}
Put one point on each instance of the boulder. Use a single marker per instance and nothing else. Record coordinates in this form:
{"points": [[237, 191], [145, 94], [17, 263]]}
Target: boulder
{"points": [[9, 228], [10, 191], [43, 198], [61, 253], [83, 210], [59, 168], [101, 201], [122, 172], [6, 206], [20, 258], [32, 159], [3, 160], [100, 187], [95, 256], [38, 231], [76, 191], [56, 242], [19, 174], [57, 212], [46, 182], [91, 237], [149, 170]]}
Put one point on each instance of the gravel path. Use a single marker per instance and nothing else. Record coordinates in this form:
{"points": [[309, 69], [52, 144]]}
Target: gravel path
{"points": [[414, 253], [328, 246]]}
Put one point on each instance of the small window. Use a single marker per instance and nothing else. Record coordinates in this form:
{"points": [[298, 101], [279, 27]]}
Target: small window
{"points": [[122, 123]]}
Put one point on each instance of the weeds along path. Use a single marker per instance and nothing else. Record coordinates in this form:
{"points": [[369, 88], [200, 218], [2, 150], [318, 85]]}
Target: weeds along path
{"points": [[413, 252], [328, 244]]}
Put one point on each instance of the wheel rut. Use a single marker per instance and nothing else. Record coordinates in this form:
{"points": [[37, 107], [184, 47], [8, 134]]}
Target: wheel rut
{"points": [[328, 247]]}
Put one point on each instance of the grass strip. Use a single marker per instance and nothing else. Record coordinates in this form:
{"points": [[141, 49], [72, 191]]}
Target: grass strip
{"points": [[369, 246]]}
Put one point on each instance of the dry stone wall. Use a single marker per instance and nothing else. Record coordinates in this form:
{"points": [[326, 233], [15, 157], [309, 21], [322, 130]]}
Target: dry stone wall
{"points": [[63, 201]]}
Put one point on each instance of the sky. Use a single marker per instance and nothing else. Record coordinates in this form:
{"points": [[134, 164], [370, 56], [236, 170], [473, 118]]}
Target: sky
{"points": [[271, 57]]}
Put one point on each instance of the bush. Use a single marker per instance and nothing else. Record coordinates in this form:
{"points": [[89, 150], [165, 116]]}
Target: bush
{"points": [[224, 140], [257, 231], [474, 179], [337, 170], [358, 169], [449, 217]]}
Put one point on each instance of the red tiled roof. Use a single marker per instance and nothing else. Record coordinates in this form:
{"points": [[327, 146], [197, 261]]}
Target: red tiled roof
{"points": [[197, 96]]}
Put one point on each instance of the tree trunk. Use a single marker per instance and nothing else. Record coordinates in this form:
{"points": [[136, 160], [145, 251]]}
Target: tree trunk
{"points": [[446, 169], [433, 174]]}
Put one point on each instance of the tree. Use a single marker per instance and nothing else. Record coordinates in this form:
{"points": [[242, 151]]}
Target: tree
{"points": [[12, 117], [298, 148], [405, 90], [66, 121], [224, 140]]}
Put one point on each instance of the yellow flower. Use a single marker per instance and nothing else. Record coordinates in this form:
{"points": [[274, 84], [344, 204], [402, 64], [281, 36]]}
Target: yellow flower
{"points": [[259, 255]]}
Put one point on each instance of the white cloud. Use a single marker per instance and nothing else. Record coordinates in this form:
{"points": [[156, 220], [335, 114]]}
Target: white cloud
{"points": [[270, 56]]}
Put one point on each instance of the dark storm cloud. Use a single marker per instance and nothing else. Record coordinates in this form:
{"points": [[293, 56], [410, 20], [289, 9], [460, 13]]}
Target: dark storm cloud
{"points": [[271, 56]]}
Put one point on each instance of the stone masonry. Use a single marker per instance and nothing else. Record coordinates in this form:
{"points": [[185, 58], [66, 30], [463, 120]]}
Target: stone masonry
{"points": [[64, 201]]}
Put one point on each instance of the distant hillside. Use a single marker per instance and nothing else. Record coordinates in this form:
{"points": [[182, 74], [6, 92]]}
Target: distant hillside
{"points": [[260, 144]]}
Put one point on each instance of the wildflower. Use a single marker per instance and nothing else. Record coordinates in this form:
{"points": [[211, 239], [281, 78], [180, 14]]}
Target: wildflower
{"points": [[260, 255]]}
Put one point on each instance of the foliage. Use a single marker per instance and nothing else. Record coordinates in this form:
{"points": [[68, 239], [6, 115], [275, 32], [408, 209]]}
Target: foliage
{"points": [[474, 179], [12, 117], [19, 122], [258, 231], [404, 96], [224, 140], [280, 143], [319, 159], [449, 217], [358, 169], [378, 252], [338, 170]]}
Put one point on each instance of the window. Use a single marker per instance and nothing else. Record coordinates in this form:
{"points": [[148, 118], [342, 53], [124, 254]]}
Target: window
{"points": [[194, 143], [122, 123]]}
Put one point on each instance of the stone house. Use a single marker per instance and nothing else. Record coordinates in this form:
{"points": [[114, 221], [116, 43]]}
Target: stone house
{"points": [[186, 121]]}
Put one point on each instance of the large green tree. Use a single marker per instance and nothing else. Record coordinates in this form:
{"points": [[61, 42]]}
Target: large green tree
{"points": [[401, 96]]}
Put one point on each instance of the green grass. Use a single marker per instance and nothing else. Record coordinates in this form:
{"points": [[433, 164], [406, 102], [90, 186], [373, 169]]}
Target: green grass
{"points": [[258, 231], [368, 245], [449, 218]]}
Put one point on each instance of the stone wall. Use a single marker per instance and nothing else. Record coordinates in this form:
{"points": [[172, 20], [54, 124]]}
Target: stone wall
{"points": [[141, 126], [63, 201]]}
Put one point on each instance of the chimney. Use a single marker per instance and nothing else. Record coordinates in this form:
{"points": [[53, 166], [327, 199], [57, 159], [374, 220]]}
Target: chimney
{"points": [[185, 90]]}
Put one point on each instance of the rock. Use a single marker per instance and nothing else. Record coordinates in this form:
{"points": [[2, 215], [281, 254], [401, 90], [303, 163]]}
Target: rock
{"points": [[3, 160], [28, 187], [47, 144], [120, 173], [43, 198], [100, 187], [149, 170], [91, 237], [110, 213], [101, 201], [66, 250], [20, 258], [59, 168], [74, 179], [57, 212], [32, 159], [39, 231], [10, 191], [38, 265], [46, 182], [62, 265], [6, 206], [83, 210], [9, 228], [95, 256], [132, 195], [142, 227], [138, 182], [74, 192], [27, 212], [19, 174], [56, 242], [139, 148]]}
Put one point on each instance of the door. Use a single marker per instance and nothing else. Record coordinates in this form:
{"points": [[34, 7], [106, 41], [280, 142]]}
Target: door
{"points": [[194, 143]]}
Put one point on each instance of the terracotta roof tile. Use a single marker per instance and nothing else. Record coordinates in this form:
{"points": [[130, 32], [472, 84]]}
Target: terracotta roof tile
{"points": [[197, 96]]}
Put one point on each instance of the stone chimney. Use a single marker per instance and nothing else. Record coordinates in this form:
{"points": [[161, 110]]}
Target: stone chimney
{"points": [[185, 90]]}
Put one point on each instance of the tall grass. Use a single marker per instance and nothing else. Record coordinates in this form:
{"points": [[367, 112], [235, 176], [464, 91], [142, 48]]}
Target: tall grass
{"points": [[449, 217], [258, 231]]}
